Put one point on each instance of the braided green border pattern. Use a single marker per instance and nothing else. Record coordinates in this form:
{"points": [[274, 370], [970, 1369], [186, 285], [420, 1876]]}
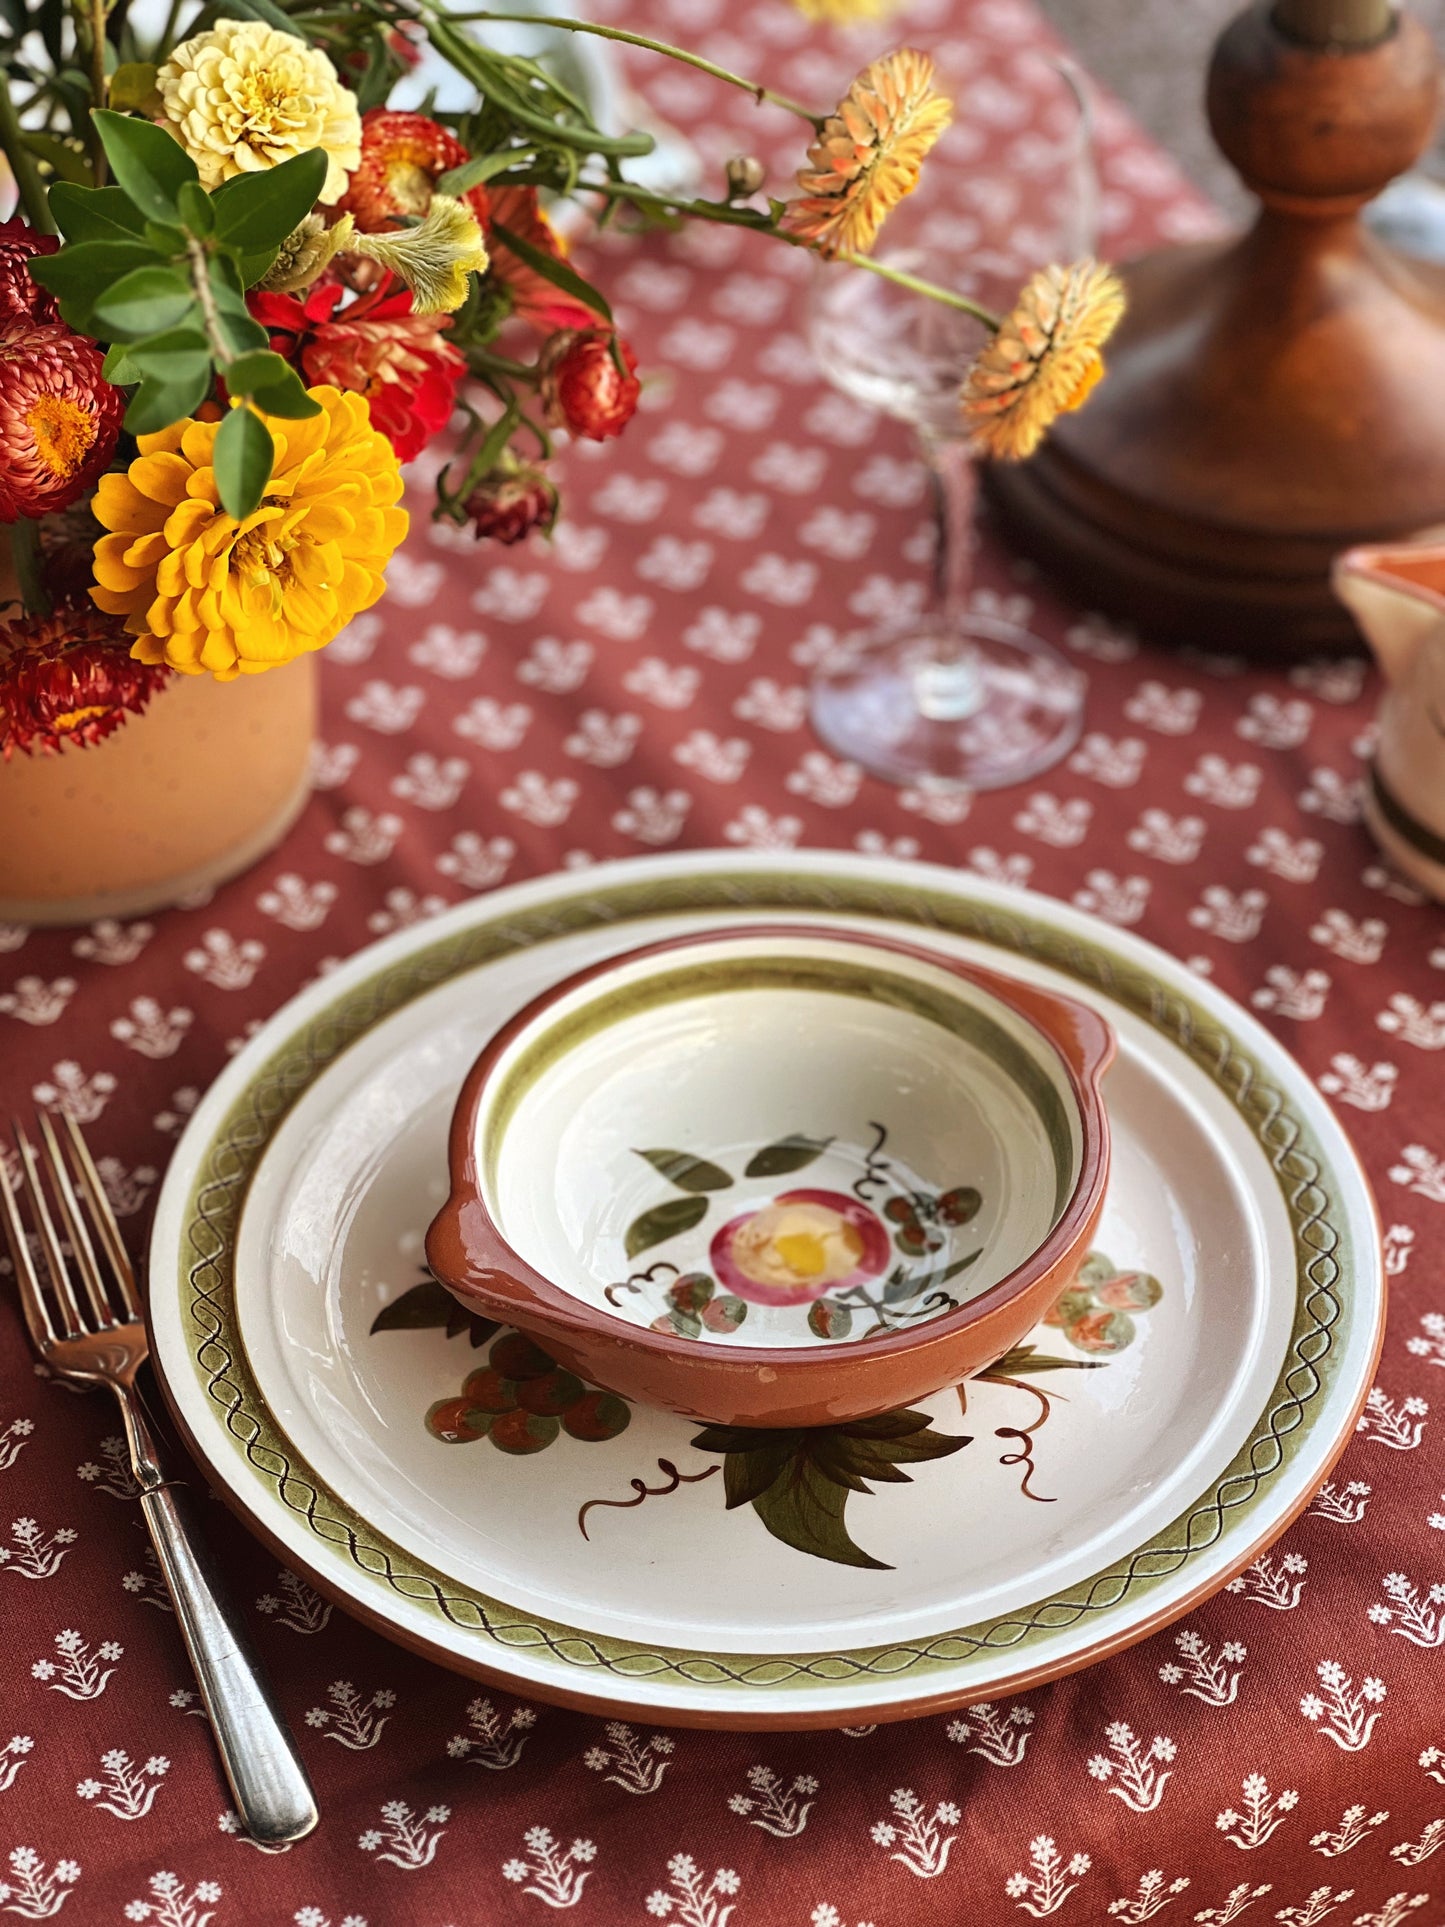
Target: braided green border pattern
{"points": [[226, 1166]]}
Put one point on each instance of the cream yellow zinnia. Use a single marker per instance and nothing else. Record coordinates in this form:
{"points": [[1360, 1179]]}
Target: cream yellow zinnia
{"points": [[200, 590], [845, 13], [244, 96], [868, 154], [1045, 359]]}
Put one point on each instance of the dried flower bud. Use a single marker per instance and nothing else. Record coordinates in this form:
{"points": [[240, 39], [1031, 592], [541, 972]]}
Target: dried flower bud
{"points": [[582, 386], [305, 254], [745, 176], [511, 501]]}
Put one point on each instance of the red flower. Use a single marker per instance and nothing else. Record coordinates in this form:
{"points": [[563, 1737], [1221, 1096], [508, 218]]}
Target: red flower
{"points": [[402, 157], [533, 297], [803, 1244], [68, 678], [19, 295], [376, 346], [510, 502], [583, 388], [58, 417]]}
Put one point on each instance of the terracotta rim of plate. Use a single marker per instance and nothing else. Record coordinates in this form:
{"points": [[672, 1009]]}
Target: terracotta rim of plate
{"points": [[765, 1385]]}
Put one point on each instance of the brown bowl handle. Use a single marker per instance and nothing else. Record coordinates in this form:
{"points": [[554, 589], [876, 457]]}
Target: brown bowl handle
{"points": [[1084, 1039]]}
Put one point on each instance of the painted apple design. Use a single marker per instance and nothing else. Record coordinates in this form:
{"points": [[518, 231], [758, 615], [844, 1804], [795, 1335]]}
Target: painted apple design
{"points": [[801, 1245]]}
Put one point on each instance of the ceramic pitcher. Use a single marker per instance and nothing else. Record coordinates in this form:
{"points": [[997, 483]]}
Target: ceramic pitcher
{"points": [[1397, 596]]}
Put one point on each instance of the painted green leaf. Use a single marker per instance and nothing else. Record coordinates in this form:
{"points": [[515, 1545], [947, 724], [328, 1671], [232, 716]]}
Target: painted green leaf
{"points": [[430, 1306], [798, 1482], [788, 1154], [687, 1172], [828, 1319], [1024, 1359], [901, 1285], [724, 1314], [686, 1324], [664, 1221]]}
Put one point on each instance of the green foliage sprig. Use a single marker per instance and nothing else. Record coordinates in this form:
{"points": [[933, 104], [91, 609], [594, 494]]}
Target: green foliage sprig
{"points": [[157, 267]]}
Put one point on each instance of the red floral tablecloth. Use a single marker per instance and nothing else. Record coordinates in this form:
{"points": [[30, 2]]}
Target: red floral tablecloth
{"points": [[639, 688]]}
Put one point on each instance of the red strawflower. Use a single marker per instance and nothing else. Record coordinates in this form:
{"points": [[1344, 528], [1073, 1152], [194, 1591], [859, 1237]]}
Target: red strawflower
{"points": [[19, 295], [533, 297], [583, 388], [512, 501], [376, 346], [402, 157], [68, 678], [59, 417]]}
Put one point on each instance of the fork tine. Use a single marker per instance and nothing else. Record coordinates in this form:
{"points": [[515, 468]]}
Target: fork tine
{"points": [[75, 1226], [60, 1283], [103, 1218], [32, 1299]]}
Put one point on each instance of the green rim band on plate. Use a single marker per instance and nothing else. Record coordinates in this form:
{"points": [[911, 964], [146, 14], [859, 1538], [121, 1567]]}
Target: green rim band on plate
{"points": [[1306, 1185]]}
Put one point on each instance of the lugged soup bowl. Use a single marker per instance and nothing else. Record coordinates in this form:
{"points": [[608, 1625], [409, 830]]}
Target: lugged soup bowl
{"points": [[778, 1176]]}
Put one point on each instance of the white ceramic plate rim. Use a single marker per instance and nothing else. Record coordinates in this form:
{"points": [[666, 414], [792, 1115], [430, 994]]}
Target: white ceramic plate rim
{"points": [[819, 1689]]}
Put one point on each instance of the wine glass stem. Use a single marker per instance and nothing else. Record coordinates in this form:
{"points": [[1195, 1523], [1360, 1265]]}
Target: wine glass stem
{"points": [[948, 686]]}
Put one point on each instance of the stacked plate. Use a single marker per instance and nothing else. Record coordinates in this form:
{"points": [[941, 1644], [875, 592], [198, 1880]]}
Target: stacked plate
{"points": [[450, 1482]]}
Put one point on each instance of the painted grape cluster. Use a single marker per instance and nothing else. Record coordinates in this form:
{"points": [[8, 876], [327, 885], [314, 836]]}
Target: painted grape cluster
{"points": [[523, 1400], [1097, 1312]]}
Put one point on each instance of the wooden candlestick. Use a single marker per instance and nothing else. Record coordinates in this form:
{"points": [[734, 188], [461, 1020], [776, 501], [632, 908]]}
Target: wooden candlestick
{"points": [[1271, 398]]}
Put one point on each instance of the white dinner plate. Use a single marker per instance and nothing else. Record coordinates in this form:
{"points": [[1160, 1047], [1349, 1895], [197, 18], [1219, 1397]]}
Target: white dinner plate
{"points": [[1188, 1400]]}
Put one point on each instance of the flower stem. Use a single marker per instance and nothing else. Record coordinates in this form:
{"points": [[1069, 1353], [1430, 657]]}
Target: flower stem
{"points": [[750, 217], [97, 84], [206, 301], [25, 554], [629, 39], [22, 164]]}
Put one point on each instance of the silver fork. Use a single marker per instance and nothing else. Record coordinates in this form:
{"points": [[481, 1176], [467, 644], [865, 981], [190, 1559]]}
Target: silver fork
{"points": [[104, 1343]]}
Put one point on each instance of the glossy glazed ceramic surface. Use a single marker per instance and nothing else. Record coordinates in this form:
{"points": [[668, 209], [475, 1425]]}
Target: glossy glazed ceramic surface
{"points": [[1217, 1404], [573, 1208]]}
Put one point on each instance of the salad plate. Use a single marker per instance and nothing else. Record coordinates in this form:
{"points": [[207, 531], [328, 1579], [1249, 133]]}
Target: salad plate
{"points": [[449, 1481]]}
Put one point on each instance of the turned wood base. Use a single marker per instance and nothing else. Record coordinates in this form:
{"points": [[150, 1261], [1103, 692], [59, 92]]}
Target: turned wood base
{"points": [[1273, 398]]}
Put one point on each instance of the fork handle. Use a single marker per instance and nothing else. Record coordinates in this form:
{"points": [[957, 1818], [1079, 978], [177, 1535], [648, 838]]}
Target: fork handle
{"points": [[272, 1792]]}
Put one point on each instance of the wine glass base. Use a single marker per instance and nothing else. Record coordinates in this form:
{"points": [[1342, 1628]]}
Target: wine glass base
{"points": [[979, 705]]}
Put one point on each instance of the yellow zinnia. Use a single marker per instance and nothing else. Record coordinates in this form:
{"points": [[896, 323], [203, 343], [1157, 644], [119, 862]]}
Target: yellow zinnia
{"points": [[868, 154], [846, 12], [1044, 361], [202, 591], [243, 96]]}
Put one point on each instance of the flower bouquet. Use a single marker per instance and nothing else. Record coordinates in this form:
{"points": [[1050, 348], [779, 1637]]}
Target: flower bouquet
{"points": [[241, 291]]}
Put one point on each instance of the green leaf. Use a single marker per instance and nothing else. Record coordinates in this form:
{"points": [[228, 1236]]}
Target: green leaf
{"points": [[271, 383], [161, 400], [798, 1482], [430, 1306], [242, 459], [196, 209], [664, 1221], [788, 1154], [68, 163], [260, 210], [241, 331], [170, 356], [146, 161], [119, 366], [551, 269], [265, 10], [83, 271], [132, 87], [147, 301], [1024, 1359], [687, 1172], [457, 181], [94, 213]]}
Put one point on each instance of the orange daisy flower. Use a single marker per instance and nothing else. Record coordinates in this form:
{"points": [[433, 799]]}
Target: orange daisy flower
{"points": [[868, 154], [1045, 359]]}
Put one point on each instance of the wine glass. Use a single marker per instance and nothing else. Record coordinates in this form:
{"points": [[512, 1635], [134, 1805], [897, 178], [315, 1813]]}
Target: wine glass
{"points": [[956, 695]]}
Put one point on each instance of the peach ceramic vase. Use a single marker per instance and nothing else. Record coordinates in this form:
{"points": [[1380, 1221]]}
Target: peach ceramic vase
{"points": [[179, 799]]}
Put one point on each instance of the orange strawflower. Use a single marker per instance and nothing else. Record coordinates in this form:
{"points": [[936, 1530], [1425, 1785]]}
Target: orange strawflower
{"points": [[59, 417], [868, 154], [1045, 359], [533, 298], [68, 678], [402, 157]]}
